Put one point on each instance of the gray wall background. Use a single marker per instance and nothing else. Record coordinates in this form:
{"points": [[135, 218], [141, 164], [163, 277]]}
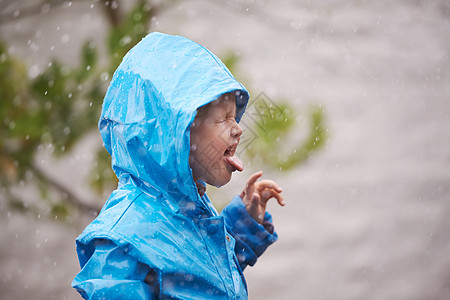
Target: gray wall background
{"points": [[367, 218]]}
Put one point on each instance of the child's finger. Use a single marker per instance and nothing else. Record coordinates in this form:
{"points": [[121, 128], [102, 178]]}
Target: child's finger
{"points": [[271, 193], [253, 207], [250, 186], [252, 179], [268, 184]]}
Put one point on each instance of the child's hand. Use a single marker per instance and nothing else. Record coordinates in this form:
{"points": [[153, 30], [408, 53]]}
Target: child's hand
{"points": [[256, 194]]}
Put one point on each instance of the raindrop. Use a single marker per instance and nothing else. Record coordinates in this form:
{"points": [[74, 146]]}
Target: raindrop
{"points": [[29, 175], [90, 104], [295, 25], [45, 8], [104, 76], [125, 40], [34, 47], [51, 148], [65, 38], [11, 50], [16, 13], [34, 71], [114, 5]]}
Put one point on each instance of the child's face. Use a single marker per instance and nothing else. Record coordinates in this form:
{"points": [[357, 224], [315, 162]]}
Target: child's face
{"points": [[214, 137]]}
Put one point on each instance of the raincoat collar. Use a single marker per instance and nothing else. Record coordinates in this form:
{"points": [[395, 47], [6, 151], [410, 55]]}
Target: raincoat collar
{"points": [[148, 110]]}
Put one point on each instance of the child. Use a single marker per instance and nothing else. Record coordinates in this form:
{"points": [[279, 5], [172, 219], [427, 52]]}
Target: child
{"points": [[170, 122]]}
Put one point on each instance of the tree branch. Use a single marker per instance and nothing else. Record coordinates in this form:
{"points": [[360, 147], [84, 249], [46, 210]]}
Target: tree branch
{"points": [[112, 10], [68, 196]]}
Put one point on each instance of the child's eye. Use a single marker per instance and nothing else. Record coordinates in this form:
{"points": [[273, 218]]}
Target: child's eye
{"points": [[227, 118]]}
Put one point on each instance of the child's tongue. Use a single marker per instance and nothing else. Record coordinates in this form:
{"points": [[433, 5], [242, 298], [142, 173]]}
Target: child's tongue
{"points": [[235, 162]]}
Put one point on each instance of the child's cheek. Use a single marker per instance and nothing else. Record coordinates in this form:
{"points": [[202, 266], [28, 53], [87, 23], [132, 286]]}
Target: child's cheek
{"points": [[223, 133]]}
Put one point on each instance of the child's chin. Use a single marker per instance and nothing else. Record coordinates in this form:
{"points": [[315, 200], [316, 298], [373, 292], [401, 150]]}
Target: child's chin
{"points": [[220, 180]]}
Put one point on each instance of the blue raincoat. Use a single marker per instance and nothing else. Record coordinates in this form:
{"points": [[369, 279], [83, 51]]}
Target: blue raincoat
{"points": [[156, 237]]}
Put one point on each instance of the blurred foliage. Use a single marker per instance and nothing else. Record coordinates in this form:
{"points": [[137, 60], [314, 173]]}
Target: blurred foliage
{"points": [[56, 109], [273, 124], [274, 127]]}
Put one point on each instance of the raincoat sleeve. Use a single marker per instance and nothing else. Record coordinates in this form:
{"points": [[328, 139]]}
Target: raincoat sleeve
{"points": [[111, 273], [252, 238]]}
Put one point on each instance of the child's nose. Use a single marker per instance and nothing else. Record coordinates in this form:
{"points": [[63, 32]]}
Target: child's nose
{"points": [[236, 130]]}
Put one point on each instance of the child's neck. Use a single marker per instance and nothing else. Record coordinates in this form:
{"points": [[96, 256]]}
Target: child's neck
{"points": [[200, 188]]}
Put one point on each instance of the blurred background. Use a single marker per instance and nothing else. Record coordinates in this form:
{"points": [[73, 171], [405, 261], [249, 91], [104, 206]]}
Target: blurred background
{"points": [[350, 114]]}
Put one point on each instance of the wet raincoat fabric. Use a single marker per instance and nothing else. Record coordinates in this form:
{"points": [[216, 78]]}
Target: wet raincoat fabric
{"points": [[156, 237]]}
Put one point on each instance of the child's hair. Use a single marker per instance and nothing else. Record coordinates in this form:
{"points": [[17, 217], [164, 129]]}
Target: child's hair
{"points": [[203, 109]]}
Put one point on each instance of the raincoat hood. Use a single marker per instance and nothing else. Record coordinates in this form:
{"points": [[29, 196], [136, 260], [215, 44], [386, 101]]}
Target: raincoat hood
{"points": [[150, 105]]}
